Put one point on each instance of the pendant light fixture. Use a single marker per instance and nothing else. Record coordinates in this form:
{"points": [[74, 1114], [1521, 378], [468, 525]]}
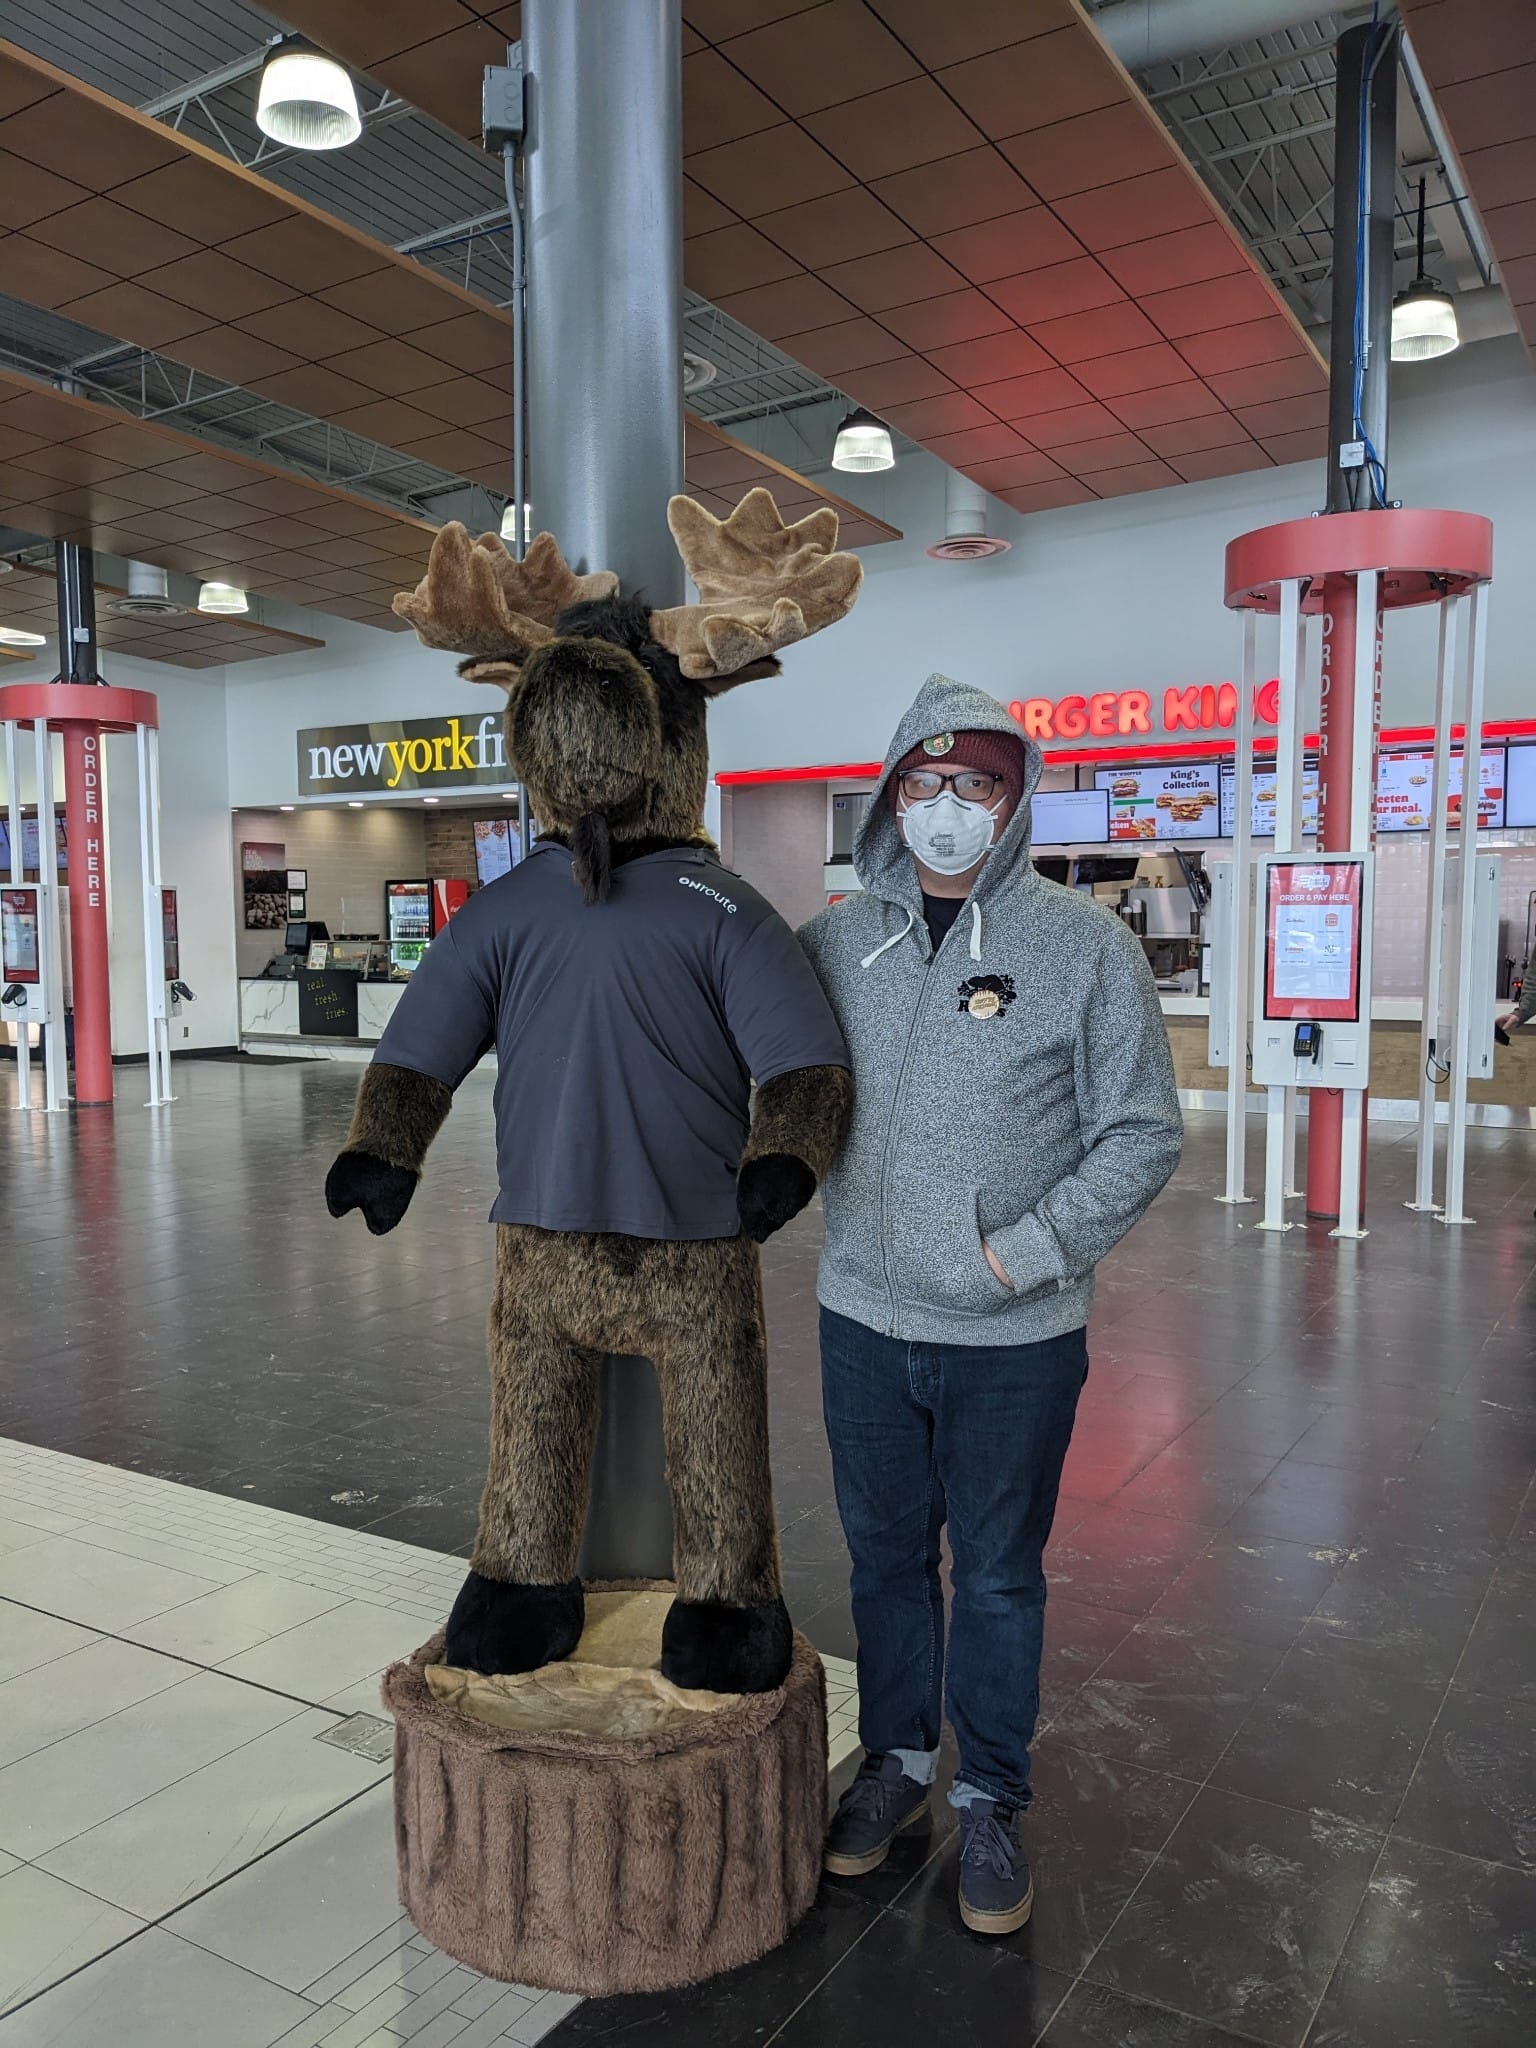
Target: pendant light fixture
{"points": [[306, 100], [221, 599], [1423, 314], [863, 443], [17, 636]]}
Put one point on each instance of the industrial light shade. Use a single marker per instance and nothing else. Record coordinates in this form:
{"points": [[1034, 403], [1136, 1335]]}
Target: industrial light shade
{"points": [[509, 523], [221, 598], [1423, 322], [306, 101], [14, 636], [863, 443]]}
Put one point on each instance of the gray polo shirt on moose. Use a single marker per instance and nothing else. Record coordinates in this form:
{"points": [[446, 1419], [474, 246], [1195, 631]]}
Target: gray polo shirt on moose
{"points": [[627, 1036]]}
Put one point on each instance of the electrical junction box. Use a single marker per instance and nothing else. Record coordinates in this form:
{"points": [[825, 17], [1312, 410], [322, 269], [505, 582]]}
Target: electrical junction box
{"points": [[1351, 455], [1312, 970]]}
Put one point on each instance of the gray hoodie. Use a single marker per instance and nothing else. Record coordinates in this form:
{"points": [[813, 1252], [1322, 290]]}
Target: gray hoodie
{"points": [[1042, 1118]]}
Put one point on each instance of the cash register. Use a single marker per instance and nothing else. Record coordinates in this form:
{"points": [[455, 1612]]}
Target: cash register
{"points": [[300, 934]]}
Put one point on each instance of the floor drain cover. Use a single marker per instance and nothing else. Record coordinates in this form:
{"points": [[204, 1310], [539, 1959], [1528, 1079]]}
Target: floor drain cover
{"points": [[364, 1735]]}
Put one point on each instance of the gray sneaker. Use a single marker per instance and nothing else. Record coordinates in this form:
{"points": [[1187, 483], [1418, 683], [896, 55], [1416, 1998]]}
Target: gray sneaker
{"points": [[881, 1801], [997, 1893]]}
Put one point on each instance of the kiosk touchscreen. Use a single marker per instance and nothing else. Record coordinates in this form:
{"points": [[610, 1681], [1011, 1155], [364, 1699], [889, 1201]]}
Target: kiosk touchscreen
{"points": [[1312, 1002], [22, 992]]}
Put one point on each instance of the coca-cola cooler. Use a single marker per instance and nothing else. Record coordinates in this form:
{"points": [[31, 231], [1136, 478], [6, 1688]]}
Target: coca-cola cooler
{"points": [[448, 896]]}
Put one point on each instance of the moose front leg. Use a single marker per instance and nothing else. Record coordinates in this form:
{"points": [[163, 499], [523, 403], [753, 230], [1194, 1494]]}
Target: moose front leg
{"points": [[398, 1114], [727, 1630], [799, 1122]]}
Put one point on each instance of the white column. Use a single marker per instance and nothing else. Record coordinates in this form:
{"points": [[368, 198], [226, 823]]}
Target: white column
{"points": [[1466, 878], [1454, 618], [1239, 966]]}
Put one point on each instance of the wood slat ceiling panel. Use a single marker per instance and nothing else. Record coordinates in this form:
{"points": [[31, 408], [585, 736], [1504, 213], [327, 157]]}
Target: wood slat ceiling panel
{"points": [[29, 597], [1479, 57], [967, 216]]}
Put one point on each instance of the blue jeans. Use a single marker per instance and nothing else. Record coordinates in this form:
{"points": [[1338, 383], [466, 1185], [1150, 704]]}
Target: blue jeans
{"points": [[921, 1435]]}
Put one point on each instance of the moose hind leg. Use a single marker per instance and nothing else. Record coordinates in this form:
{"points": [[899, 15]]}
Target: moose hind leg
{"points": [[521, 1606], [727, 1630]]}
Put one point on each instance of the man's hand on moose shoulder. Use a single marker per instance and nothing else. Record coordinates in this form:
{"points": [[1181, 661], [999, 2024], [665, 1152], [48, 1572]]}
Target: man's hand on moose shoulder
{"points": [[770, 1190], [383, 1192]]}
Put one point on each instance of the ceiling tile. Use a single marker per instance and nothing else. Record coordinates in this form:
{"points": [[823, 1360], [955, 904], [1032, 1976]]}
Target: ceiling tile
{"points": [[1307, 446], [465, 454], [1218, 302], [1004, 247], [1049, 497], [1136, 369], [314, 389], [41, 276], [389, 421], [1159, 203], [734, 259], [764, 173], [953, 316], [977, 444], [1152, 408], [1120, 141], [445, 74], [774, 310], [814, 60], [202, 200], [940, 35], [40, 412], [212, 284], [702, 211], [1188, 437], [149, 487], [1188, 256], [476, 341], [720, 105], [62, 460], [167, 525], [891, 131], [323, 333], [303, 253], [1136, 476], [129, 312], [835, 229], [1010, 472], [20, 85], [28, 192], [721, 468], [956, 191], [951, 414], [396, 299], [78, 139], [1271, 340], [1512, 229], [1024, 398], [1498, 107], [1293, 377], [1073, 423], [466, 401], [1453, 43], [895, 383], [1056, 291], [122, 242], [896, 277], [1047, 79], [206, 471], [1500, 176], [390, 367], [1106, 452], [992, 359], [718, 19], [343, 515], [845, 345], [1081, 336], [1284, 416], [1201, 464]]}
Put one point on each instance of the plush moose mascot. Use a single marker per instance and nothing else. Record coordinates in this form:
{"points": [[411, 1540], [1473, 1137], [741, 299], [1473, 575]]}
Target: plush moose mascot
{"points": [[633, 988]]}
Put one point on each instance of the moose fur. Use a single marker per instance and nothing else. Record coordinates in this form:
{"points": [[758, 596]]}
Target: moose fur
{"points": [[605, 728]]}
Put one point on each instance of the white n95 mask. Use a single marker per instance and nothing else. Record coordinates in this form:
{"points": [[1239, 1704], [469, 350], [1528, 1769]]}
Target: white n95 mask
{"points": [[948, 834]]}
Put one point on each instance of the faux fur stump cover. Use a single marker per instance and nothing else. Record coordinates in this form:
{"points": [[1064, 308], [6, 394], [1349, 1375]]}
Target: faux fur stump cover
{"points": [[582, 1863]]}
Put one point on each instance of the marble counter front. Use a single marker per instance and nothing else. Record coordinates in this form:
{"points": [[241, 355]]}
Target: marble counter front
{"points": [[269, 1020]]}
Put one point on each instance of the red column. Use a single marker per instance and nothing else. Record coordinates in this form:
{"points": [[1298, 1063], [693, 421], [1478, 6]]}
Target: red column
{"points": [[85, 831], [1335, 834]]}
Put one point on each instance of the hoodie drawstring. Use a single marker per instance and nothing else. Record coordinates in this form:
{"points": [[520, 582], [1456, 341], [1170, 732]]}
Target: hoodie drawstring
{"points": [[975, 929], [870, 958]]}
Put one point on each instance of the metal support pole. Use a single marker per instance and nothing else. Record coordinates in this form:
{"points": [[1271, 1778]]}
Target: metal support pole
{"points": [[604, 295], [1240, 966], [1453, 611], [1466, 876], [1364, 171], [156, 1033]]}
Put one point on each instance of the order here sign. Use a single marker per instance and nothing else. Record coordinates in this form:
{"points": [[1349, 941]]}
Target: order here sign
{"points": [[1113, 714]]}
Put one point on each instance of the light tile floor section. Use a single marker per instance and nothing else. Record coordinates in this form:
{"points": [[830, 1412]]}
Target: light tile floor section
{"points": [[177, 1852]]}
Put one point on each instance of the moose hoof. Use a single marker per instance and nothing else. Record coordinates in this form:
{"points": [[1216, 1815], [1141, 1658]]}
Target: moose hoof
{"points": [[709, 1647], [497, 1625]]}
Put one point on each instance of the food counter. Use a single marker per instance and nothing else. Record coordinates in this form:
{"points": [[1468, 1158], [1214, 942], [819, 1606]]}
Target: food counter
{"points": [[269, 1020]]}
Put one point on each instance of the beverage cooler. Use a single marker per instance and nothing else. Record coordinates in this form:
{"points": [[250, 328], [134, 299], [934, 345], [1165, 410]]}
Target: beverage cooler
{"points": [[407, 923]]}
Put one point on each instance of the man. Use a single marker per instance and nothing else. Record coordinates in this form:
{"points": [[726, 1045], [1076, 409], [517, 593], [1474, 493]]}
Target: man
{"points": [[1521, 1011], [1014, 1114]]}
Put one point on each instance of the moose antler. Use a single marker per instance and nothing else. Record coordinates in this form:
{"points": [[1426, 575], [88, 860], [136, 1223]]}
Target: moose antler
{"points": [[762, 585], [476, 600]]}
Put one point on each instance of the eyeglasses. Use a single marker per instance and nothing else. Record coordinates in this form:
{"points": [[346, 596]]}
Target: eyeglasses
{"points": [[918, 785]]}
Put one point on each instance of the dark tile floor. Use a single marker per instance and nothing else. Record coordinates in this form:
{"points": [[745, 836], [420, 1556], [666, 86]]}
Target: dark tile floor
{"points": [[1288, 1772]]}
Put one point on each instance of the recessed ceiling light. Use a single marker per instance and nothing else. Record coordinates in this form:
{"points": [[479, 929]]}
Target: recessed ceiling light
{"points": [[354, 804], [285, 807], [431, 799], [306, 100], [509, 796], [221, 598]]}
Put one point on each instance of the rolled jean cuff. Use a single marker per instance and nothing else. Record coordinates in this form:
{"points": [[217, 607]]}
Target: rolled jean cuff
{"points": [[965, 1791], [920, 1765]]}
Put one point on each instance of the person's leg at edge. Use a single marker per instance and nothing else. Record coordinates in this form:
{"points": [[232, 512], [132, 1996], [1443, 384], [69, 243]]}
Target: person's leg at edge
{"points": [[880, 1430], [1003, 1423]]}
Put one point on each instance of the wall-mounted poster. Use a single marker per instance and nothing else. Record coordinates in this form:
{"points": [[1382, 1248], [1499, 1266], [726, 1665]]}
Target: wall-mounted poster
{"points": [[264, 885], [1174, 800]]}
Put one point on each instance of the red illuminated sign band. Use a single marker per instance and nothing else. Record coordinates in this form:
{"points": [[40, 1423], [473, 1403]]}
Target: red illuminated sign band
{"points": [[1108, 714]]}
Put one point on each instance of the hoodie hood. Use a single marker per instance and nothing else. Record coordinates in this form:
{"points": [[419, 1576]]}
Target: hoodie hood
{"points": [[882, 859]]}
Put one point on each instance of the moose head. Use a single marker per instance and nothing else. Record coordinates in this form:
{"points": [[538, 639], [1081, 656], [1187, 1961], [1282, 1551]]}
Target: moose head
{"points": [[606, 698]]}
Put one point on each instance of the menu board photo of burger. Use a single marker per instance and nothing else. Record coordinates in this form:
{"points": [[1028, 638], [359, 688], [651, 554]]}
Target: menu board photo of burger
{"points": [[1169, 801]]}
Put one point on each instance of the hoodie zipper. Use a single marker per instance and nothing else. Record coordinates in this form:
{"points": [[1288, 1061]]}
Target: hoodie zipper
{"points": [[890, 1142]]}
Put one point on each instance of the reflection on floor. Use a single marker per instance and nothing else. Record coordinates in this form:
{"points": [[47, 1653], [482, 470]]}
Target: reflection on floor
{"points": [[1291, 1663]]}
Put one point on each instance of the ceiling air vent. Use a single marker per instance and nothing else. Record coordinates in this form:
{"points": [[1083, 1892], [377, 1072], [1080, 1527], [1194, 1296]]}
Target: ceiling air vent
{"points": [[965, 524], [148, 597]]}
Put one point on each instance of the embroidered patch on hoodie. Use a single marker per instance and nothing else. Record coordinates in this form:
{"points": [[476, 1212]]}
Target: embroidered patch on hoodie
{"points": [[988, 995]]}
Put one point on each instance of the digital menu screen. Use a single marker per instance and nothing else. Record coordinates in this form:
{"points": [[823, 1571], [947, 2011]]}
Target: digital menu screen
{"points": [[1405, 785], [496, 848], [1520, 789], [1264, 799], [1173, 800], [1069, 817]]}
